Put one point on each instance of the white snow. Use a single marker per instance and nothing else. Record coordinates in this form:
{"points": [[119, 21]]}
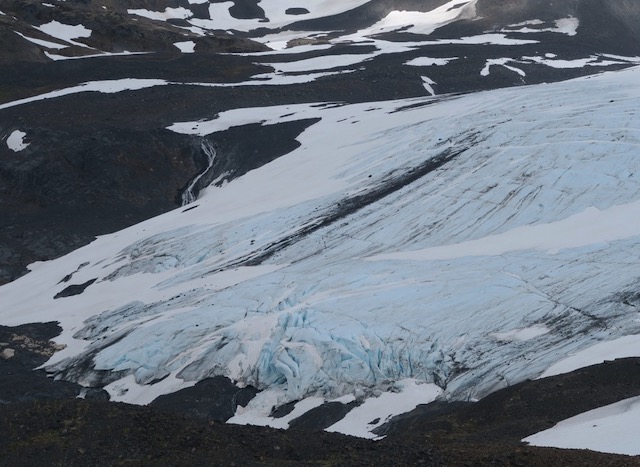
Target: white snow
{"points": [[246, 416], [15, 141], [56, 57], [133, 84], [493, 39], [531, 22], [43, 43], [593, 60], [167, 14], [411, 21], [186, 47], [500, 62], [623, 58], [376, 411], [422, 22], [427, 61], [500, 260], [237, 117], [65, 32], [220, 18], [627, 346], [127, 389], [281, 48], [428, 85], [327, 62], [568, 26], [279, 41], [106, 86], [550, 60], [613, 429]]}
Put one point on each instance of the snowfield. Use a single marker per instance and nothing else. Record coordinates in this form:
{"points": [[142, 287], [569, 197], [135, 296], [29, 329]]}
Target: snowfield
{"points": [[458, 244]]}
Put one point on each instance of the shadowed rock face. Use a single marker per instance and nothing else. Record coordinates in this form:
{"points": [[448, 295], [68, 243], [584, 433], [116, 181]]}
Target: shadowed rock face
{"points": [[508, 11], [214, 399], [72, 185]]}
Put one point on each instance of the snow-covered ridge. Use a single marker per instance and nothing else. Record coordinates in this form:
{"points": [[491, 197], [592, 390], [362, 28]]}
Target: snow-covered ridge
{"points": [[269, 280]]}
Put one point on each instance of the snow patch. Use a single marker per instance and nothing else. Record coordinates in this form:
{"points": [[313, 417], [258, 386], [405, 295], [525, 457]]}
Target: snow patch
{"points": [[186, 47], [107, 86], [327, 62], [167, 14], [238, 117], [376, 411], [275, 12], [56, 57], [593, 60], [612, 429], [501, 62], [627, 346], [427, 61], [420, 22], [65, 32], [43, 43], [15, 141], [127, 389], [550, 60], [428, 85], [489, 39], [568, 26], [250, 416]]}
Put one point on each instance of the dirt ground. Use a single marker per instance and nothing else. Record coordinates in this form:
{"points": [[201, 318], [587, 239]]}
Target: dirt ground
{"points": [[44, 423]]}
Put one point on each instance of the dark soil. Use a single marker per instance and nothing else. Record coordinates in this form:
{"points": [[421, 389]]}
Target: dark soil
{"points": [[76, 432]]}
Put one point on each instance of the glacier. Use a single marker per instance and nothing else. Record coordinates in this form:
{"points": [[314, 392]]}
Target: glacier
{"points": [[465, 241]]}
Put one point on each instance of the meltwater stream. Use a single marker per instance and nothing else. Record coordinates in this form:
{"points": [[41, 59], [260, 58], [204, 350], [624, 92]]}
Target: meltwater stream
{"points": [[188, 195]]}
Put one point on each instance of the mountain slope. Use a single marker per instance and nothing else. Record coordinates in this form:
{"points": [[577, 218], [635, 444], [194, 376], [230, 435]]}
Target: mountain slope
{"points": [[360, 217]]}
